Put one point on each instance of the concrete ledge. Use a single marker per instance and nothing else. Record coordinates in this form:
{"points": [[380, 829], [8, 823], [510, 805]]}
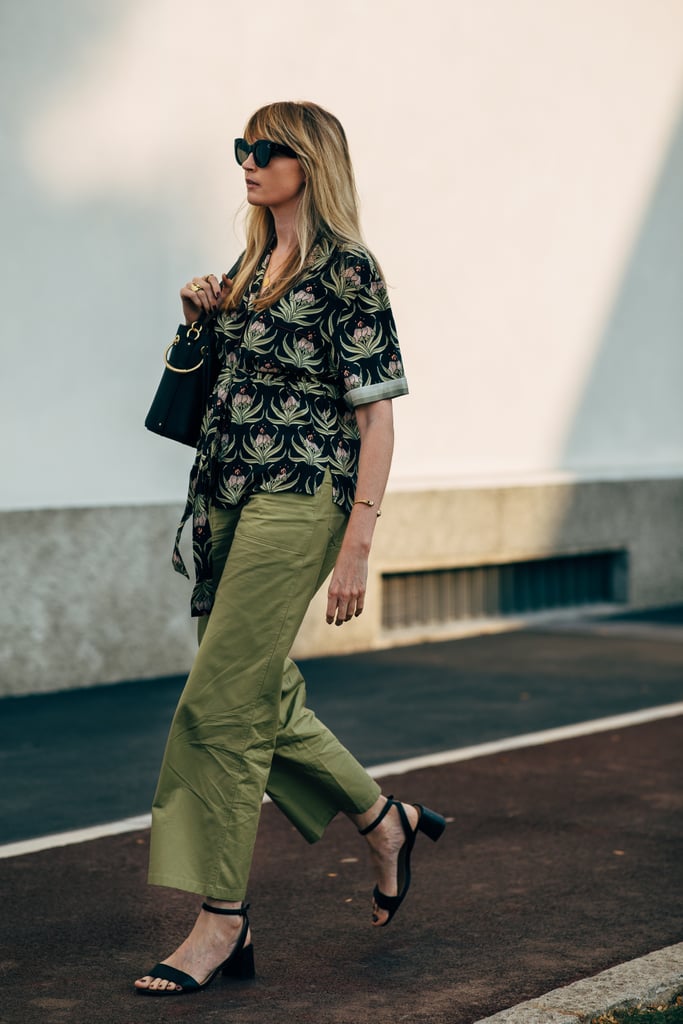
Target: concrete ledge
{"points": [[90, 596], [649, 979]]}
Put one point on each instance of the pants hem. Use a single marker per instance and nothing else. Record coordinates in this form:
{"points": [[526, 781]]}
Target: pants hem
{"points": [[192, 885], [314, 835]]}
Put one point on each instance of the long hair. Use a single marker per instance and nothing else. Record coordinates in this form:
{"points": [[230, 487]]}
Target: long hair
{"points": [[329, 201]]}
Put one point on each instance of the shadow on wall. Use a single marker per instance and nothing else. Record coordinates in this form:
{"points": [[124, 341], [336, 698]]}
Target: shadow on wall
{"points": [[105, 258], [635, 381], [633, 394]]}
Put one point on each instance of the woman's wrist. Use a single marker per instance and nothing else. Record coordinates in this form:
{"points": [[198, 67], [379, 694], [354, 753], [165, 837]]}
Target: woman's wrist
{"points": [[370, 504], [359, 532]]}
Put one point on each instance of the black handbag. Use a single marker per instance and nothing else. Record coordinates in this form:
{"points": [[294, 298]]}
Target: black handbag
{"points": [[190, 372]]}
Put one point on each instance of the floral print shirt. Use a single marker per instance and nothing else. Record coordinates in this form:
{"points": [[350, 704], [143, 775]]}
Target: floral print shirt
{"points": [[291, 375]]}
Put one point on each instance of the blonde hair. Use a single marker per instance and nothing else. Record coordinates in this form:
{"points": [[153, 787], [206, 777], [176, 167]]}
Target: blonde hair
{"points": [[329, 200]]}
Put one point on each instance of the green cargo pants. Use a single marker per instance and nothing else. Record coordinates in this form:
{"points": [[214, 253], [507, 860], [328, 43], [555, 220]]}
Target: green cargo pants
{"points": [[242, 726]]}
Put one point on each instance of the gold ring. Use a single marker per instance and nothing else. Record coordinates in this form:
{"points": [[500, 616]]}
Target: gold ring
{"points": [[195, 288]]}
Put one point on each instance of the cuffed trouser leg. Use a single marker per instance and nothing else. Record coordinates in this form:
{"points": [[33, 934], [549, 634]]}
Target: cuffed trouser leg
{"points": [[231, 720]]}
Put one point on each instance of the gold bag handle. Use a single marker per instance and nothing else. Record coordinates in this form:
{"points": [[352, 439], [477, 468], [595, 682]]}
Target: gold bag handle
{"points": [[176, 369]]}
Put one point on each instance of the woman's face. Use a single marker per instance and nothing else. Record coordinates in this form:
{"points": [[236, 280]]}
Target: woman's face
{"points": [[277, 184]]}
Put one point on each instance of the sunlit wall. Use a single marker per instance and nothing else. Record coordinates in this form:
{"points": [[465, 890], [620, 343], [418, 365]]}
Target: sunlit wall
{"points": [[508, 153]]}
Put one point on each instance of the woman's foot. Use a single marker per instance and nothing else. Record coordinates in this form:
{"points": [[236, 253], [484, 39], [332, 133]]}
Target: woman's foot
{"points": [[385, 842], [211, 940]]}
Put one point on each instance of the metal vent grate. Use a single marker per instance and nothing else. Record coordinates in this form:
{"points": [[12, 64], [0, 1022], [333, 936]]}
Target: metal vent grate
{"points": [[441, 596]]}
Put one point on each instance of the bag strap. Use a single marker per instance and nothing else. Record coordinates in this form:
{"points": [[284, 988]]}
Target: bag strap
{"points": [[208, 320], [211, 318], [236, 266]]}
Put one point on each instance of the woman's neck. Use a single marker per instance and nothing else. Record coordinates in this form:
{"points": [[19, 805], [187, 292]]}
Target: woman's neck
{"points": [[284, 220]]}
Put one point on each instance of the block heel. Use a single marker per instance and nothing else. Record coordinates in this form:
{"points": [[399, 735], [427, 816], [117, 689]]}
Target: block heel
{"points": [[431, 823], [241, 967]]}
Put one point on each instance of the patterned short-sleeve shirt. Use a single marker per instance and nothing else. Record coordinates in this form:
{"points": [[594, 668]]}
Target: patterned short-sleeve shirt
{"points": [[282, 410]]}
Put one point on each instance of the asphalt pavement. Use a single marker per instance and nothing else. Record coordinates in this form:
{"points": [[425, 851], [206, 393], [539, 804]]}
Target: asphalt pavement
{"points": [[78, 758], [558, 861]]}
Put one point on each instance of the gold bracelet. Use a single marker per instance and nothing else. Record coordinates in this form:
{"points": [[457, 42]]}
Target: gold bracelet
{"points": [[369, 502]]}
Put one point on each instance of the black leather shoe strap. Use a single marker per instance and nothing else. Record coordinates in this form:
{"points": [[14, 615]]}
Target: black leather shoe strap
{"points": [[168, 973], [241, 911], [380, 817]]}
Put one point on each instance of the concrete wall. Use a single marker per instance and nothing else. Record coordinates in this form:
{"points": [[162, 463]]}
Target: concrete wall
{"points": [[90, 596]]}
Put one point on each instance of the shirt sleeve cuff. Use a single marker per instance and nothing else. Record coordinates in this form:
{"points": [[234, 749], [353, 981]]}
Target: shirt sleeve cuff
{"points": [[376, 392]]}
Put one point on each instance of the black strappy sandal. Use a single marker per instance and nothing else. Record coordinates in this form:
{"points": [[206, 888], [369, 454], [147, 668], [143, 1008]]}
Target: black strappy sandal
{"points": [[239, 965], [429, 822]]}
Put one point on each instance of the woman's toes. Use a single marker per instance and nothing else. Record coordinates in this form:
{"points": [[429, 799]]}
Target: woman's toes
{"points": [[379, 916], [156, 984], [161, 984]]}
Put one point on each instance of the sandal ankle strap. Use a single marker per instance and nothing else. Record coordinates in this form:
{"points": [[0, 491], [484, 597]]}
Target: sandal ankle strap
{"points": [[237, 911], [385, 810]]}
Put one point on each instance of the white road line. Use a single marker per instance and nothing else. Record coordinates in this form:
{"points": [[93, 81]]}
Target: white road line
{"points": [[79, 835], [410, 764], [529, 739]]}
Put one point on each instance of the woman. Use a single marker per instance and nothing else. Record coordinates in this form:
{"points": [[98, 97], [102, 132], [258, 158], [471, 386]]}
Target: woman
{"points": [[287, 484]]}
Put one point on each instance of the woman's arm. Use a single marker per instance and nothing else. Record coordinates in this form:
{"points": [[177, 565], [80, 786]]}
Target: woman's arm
{"points": [[346, 593]]}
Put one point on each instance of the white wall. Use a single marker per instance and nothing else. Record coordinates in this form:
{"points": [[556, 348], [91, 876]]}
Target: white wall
{"points": [[519, 165]]}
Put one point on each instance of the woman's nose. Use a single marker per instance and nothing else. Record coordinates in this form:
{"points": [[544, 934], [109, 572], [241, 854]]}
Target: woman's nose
{"points": [[249, 164]]}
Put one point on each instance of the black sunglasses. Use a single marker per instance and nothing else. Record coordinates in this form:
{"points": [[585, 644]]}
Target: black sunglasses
{"points": [[262, 149]]}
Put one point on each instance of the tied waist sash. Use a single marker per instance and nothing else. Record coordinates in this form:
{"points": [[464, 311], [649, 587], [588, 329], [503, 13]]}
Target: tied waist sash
{"points": [[199, 491]]}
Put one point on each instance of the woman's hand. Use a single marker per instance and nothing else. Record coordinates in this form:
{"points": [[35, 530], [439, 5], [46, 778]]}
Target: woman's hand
{"points": [[203, 295], [346, 592]]}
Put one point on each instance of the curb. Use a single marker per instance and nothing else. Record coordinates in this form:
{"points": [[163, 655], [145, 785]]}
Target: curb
{"points": [[649, 979]]}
